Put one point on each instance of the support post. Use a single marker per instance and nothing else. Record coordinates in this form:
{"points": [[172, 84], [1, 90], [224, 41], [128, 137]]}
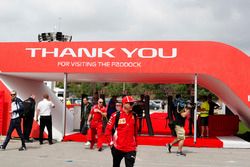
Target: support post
{"points": [[147, 115], [195, 110], [64, 103]]}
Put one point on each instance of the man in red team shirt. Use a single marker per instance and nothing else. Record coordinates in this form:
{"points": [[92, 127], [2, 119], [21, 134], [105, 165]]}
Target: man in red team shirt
{"points": [[123, 141], [95, 121]]}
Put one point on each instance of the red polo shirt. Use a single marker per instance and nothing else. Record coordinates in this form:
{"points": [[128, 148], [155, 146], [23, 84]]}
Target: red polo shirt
{"points": [[124, 138]]}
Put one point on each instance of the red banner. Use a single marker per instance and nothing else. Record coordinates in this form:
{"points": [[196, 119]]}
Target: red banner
{"points": [[147, 61]]}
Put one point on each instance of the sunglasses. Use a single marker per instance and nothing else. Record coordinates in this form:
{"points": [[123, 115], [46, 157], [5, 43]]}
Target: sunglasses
{"points": [[13, 94], [100, 102], [131, 103]]}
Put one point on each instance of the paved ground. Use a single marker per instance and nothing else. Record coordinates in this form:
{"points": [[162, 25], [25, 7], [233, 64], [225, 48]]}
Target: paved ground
{"points": [[74, 154]]}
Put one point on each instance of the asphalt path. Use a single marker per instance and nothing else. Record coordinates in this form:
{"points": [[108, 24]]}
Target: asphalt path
{"points": [[64, 154]]}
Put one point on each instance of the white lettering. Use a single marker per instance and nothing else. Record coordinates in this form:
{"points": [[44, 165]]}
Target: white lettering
{"points": [[76, 64], [63, 64], [68, 52], [129, 54], [104, 64], [161, 54], [142, 54], [87, 52], [126, 64], [44, 52], [83, 64], [33, 51], [145, 53], [107, 52]]}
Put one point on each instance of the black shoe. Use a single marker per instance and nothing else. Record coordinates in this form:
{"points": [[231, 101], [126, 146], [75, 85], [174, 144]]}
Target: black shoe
{"points": [[41, 143], [2, 148], [50, 143], [22, 148], [100, 149], [180, 153], [169, 147]]}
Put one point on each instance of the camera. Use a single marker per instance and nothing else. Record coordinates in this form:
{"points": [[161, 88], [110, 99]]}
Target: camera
{"points": [[189, 104]]}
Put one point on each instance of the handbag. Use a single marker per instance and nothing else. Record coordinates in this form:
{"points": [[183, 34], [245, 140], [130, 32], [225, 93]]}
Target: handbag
{"points": [[85, 128]]}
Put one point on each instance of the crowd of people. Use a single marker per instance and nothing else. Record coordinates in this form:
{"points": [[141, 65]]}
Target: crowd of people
{"points": [[120, 130], [22, 117], [116, 122]]}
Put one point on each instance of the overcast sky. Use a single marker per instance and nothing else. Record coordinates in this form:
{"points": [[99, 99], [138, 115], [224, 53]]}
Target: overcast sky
{"points": [[98, 20]]}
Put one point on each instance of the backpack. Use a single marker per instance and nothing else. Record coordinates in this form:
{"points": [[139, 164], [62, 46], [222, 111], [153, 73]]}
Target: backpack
{"points": [[20, 107], [179, 104], [117, 117], [26, 107]]}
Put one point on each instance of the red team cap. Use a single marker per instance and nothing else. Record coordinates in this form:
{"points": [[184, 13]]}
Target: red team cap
{"points": [[128, 99]]}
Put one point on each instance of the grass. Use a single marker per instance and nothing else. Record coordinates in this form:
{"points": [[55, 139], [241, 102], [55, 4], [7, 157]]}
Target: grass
{"points": [[244, 132], [243, 128]]}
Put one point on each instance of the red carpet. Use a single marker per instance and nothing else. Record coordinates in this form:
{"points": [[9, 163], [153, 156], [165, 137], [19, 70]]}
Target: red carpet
{"points": [[162, 135], [159, 124]]}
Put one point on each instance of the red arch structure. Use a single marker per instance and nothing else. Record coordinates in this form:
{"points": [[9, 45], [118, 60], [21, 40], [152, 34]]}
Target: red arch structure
{"points": [[221, 68]]}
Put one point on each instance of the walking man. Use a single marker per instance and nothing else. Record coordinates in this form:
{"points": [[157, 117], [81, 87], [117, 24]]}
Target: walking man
{"points": [[180, 118], [95, 121], [15, 122], [85, 110], [44, 109], [121, 134]]}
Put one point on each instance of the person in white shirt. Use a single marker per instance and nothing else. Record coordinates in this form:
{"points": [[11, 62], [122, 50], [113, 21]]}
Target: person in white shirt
{"points": [[15, 122], [43, 110]]}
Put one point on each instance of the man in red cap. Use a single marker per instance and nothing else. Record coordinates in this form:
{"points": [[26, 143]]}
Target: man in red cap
{"points": [[123, 141]]}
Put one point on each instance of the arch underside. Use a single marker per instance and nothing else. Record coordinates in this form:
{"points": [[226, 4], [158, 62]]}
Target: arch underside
{"points": [[213, 84]]}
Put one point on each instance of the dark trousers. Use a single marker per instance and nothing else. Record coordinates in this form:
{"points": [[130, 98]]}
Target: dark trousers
{"points": [[82, 123], [118, 156], [140, 125], [190, 125], [45, 121], [27, 126], [14, 124]]}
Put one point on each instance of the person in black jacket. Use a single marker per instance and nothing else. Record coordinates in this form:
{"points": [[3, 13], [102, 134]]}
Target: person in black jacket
{"points": [[15, 122], [139, 108], [28, 117], [85, 110]]}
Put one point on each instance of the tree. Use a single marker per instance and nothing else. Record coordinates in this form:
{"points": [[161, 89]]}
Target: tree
{"points": [[156, 91]]}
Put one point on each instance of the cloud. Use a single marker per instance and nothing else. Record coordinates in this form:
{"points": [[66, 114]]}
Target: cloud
{"points": [[96, 20]]}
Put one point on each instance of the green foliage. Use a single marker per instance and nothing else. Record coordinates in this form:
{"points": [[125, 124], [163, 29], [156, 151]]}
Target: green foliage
{"points": [[243, 128], [59, 85], [156, 91], [113, 89]]}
